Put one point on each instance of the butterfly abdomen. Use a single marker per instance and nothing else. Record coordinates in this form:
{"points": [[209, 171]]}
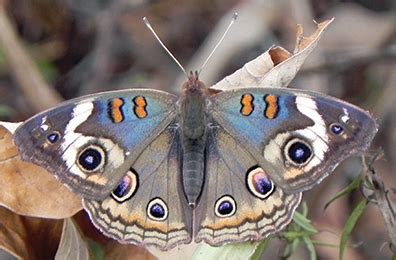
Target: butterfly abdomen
{"points": [[193, 169]]}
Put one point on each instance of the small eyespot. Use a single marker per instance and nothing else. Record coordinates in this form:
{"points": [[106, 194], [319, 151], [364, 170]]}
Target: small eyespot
{"points": [[336, 129], [157, 210], [126, 188], [225, 207], [53, 137], [91, 158], [259, 184], [298, 152]]}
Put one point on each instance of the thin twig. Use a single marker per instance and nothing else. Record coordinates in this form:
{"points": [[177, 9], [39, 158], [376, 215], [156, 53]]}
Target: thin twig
{"points": [[37, 92], [380, 197]]}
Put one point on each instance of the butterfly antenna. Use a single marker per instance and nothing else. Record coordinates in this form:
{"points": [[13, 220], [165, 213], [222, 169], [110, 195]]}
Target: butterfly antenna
{"points": [[234, 17], [147, 23]]}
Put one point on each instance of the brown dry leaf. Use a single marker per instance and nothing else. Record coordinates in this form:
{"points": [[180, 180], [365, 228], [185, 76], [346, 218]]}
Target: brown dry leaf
{"points": [[72, 245], [27, 237], [117, 251], [112, 249], [276, 67], [29, 190]]}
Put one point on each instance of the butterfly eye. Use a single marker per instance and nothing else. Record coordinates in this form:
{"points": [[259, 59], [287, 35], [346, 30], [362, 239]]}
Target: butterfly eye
{"points": [[126, 188], [53, 137], [91, 158], [225, 207], [298, 152], [157, 210], [259, 184], [336, 129]]}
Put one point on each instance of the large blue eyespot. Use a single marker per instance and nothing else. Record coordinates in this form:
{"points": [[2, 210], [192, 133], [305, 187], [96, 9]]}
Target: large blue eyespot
{"points": [[91, 158], [157, 210], [225, 207], [298, 151]]}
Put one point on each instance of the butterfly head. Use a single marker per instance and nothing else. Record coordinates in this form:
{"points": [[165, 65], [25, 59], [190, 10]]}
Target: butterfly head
{"points": [[193, 86]]}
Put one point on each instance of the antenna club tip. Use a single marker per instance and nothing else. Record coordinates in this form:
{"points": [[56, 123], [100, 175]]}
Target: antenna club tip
{"points": [[146, 21], [235, 16]]}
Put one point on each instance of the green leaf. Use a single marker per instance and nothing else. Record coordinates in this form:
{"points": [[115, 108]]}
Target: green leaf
{"points": [[292, 235], [295, 244], [320, 243], [350, 224], [291, 247], [348, 189], [6, 111], [47, 69], [260, 249], [232, 251], [304, 210], [304, 223], [96, 249], [310, 246]]}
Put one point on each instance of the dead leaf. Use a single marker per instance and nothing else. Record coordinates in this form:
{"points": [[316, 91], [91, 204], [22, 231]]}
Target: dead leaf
{"points": [[112, 249], [115, 250], [269, 69], [30, 190], [72, 245], [28, 237]]}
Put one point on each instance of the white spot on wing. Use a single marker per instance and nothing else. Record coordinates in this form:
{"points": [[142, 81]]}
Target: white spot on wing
{"points": [[345, 118], [44, 127], [317, 133], [72, 140]]}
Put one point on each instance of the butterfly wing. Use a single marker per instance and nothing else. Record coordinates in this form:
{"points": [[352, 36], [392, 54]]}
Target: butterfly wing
{"points": [[89, 143], [297, 137], [148, 206], [239, 201]]}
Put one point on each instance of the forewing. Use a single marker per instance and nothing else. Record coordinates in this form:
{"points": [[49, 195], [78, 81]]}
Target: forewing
{"points": [[89, 143], [298, 137]]}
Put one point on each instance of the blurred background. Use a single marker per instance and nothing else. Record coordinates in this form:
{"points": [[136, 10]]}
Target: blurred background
{"points": [[80, 47]]}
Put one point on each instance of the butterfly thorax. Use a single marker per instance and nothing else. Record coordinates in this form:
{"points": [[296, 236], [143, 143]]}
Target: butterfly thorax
{"points": [[193, 111]]}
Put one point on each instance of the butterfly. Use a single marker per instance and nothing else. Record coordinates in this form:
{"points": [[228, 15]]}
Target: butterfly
{"points": [[214, 166]]}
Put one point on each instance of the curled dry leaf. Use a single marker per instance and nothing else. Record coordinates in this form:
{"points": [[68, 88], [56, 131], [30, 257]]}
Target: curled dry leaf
{"points": [[28, 237], [72, 245], [30, 190], [276, 67], [110, 249], [115, 250]]}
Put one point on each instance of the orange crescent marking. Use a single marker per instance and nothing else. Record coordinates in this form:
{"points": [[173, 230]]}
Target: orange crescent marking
{"points": [[247, 104], [116, 113], [271, 110], [140, 106]]}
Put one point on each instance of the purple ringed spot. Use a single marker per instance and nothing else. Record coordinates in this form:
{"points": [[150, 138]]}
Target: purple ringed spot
{"points": [[225, 207], [259, 183], [126, 188], [157, 210]]}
